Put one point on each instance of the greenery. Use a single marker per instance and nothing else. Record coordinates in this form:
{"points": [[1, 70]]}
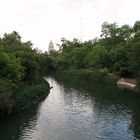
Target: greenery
{"points": [[29, 94], [99, 75], [116, 52], [21, 71]]}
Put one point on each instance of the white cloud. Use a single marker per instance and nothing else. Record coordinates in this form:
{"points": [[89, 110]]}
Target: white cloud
{"points": [[43, 20]]}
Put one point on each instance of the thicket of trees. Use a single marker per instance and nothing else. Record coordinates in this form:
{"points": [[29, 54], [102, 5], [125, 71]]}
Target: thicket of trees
{"points": [[20, 65], [117, 51]]}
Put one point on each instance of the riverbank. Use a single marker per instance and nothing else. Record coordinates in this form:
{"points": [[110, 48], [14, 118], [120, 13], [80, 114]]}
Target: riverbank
{"points": [[92, 75], [102, 76], [128, 83], [25, 96]]}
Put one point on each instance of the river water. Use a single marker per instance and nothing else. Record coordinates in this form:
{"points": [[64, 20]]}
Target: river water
{"points": [[77, 110]]}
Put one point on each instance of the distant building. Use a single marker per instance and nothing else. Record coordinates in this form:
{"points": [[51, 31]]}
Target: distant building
{"points": [[50, 47]]}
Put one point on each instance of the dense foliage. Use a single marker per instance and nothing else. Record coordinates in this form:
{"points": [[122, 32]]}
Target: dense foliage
{"points": [[116, 52], [20, 66]]}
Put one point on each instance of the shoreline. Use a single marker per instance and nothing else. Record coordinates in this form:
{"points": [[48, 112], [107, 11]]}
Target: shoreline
{"points": [[124, 83], [127, 83]]}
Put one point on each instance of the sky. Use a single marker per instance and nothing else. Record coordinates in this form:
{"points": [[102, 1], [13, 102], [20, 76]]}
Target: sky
{"points": [[43, 20]]}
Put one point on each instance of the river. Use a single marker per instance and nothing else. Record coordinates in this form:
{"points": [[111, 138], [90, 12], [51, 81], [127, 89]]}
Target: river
{"points": [[77, 110]]}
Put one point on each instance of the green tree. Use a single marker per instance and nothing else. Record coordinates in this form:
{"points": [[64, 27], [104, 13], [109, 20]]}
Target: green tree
{"points": [[78, 55], [10, 67], [98, 57]]}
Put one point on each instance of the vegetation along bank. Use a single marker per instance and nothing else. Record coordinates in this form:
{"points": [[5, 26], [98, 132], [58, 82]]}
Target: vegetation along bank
{"points": [[21, 74], [112, 56]]}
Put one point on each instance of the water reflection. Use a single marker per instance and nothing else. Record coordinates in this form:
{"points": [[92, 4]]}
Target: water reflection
{"points": [[17, 125], [77, 110], [115, 111]]}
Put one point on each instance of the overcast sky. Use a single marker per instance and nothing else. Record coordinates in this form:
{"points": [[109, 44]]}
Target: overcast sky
{"points": [[43, 20]]}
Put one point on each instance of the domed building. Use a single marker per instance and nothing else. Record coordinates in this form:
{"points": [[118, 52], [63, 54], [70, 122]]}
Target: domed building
{"points": [[50, 47]]}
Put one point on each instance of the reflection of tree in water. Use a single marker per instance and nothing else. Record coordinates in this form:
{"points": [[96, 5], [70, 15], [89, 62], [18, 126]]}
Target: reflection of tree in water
{"points": [[107, 98], [135, 122], [104, 100], [12, 127]]}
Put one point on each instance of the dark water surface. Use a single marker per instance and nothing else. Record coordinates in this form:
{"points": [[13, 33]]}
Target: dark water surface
{"points": [[77, 110]]}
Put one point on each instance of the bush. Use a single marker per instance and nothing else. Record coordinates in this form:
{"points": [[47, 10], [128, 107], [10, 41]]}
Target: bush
{"points": [[94, 75], [6, 103], [28, 95]]}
